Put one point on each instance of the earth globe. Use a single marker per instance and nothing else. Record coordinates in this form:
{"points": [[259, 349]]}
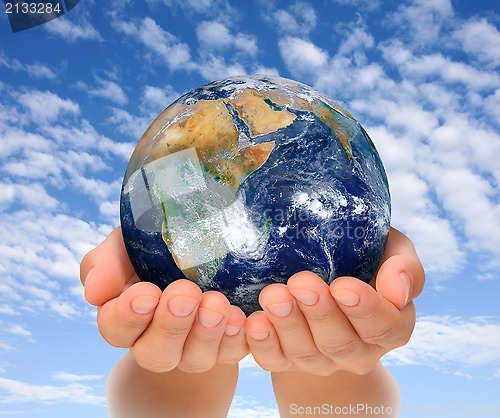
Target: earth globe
{"points": [[245, 181]]}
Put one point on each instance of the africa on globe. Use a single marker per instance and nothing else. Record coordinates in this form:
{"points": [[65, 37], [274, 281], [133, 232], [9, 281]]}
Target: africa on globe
{"points": [[248, 180]]}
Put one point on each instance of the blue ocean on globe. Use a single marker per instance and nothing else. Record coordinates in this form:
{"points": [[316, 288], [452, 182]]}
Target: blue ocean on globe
{"points": [[248, 180]]}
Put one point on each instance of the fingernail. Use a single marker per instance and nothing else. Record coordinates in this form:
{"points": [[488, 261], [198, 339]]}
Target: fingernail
{"points": [[182, 306], [307, 297], [209, 318], [281, 309], [87, 276], [259, 336], [232, 330], [144, 304], [406, 285], [346, 297]]}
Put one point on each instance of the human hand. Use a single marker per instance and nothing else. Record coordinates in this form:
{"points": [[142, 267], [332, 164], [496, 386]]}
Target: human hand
{"points": [[180, 327], [309, 326]]}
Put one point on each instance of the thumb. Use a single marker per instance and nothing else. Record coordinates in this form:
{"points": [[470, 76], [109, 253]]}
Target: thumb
{"points": [[400, 279]]}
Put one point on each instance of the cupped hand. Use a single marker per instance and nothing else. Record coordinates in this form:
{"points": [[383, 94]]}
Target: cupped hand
{"points": [[180, 327], [309, 326]]}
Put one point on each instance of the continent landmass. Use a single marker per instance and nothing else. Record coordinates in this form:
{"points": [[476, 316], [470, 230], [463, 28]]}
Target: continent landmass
{"points": [[330, 113], [208, 126]]}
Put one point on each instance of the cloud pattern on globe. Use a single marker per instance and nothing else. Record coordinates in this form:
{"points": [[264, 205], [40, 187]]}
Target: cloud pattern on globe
{"points": [[247, 180]]}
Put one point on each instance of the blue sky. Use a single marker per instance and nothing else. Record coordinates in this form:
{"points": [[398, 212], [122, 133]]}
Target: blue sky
{"points": [[76, 94]]}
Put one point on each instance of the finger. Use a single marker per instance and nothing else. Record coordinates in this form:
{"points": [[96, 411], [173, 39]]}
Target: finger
{"points": [[333, 334], [398, 244], [202, 345], [159, 349], [400, 279], [106, 269], [234, 345], [264, 344], [293, 331], [376, 320], [122, 320]]}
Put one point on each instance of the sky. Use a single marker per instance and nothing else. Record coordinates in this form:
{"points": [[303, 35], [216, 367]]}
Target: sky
{"points": [[76, 94]]}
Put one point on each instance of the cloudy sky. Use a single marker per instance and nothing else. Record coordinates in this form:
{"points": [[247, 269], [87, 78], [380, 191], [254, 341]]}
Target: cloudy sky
{"points": [[76, 94]]}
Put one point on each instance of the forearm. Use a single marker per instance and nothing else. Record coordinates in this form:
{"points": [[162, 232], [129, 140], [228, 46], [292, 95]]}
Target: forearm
{"points": [[299, 393], [135, 392]]}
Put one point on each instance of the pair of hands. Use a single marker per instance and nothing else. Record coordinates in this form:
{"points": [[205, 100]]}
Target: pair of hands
{"points": [[305, 325]]}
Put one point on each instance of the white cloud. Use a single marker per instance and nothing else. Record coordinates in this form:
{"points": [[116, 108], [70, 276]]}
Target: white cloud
{"points": [[481, 39], [438, 66], [302, 55], [215, 39], [437, 243], [6, 309], [157, 99], [413, 210], [63, 155], [83, 136], [198, 6], [61, 169], [128, 124], [465, 194], [492, 104], [119, 5], [65, 309], [45, 106], [216, 42], [163, 43], [16, 391], [70, 31], [15, 140], [41, 254], [246, 43], [214, 35], [486, 277], [19, 330], [365, 5], [36, 70], [219, 8], [176, 54], [216, 67], [423, 19], [299, 19], [26, 194], [69, 377], [34, 165], [248, 407], [43, 239], [439, 341], [466, 375], [6, 347], [105, 89], [61, 241], [358, 39], [263, 70]]}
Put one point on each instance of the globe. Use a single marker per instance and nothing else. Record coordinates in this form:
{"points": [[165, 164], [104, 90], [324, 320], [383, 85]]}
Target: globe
{"points": [[246, 181]]}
